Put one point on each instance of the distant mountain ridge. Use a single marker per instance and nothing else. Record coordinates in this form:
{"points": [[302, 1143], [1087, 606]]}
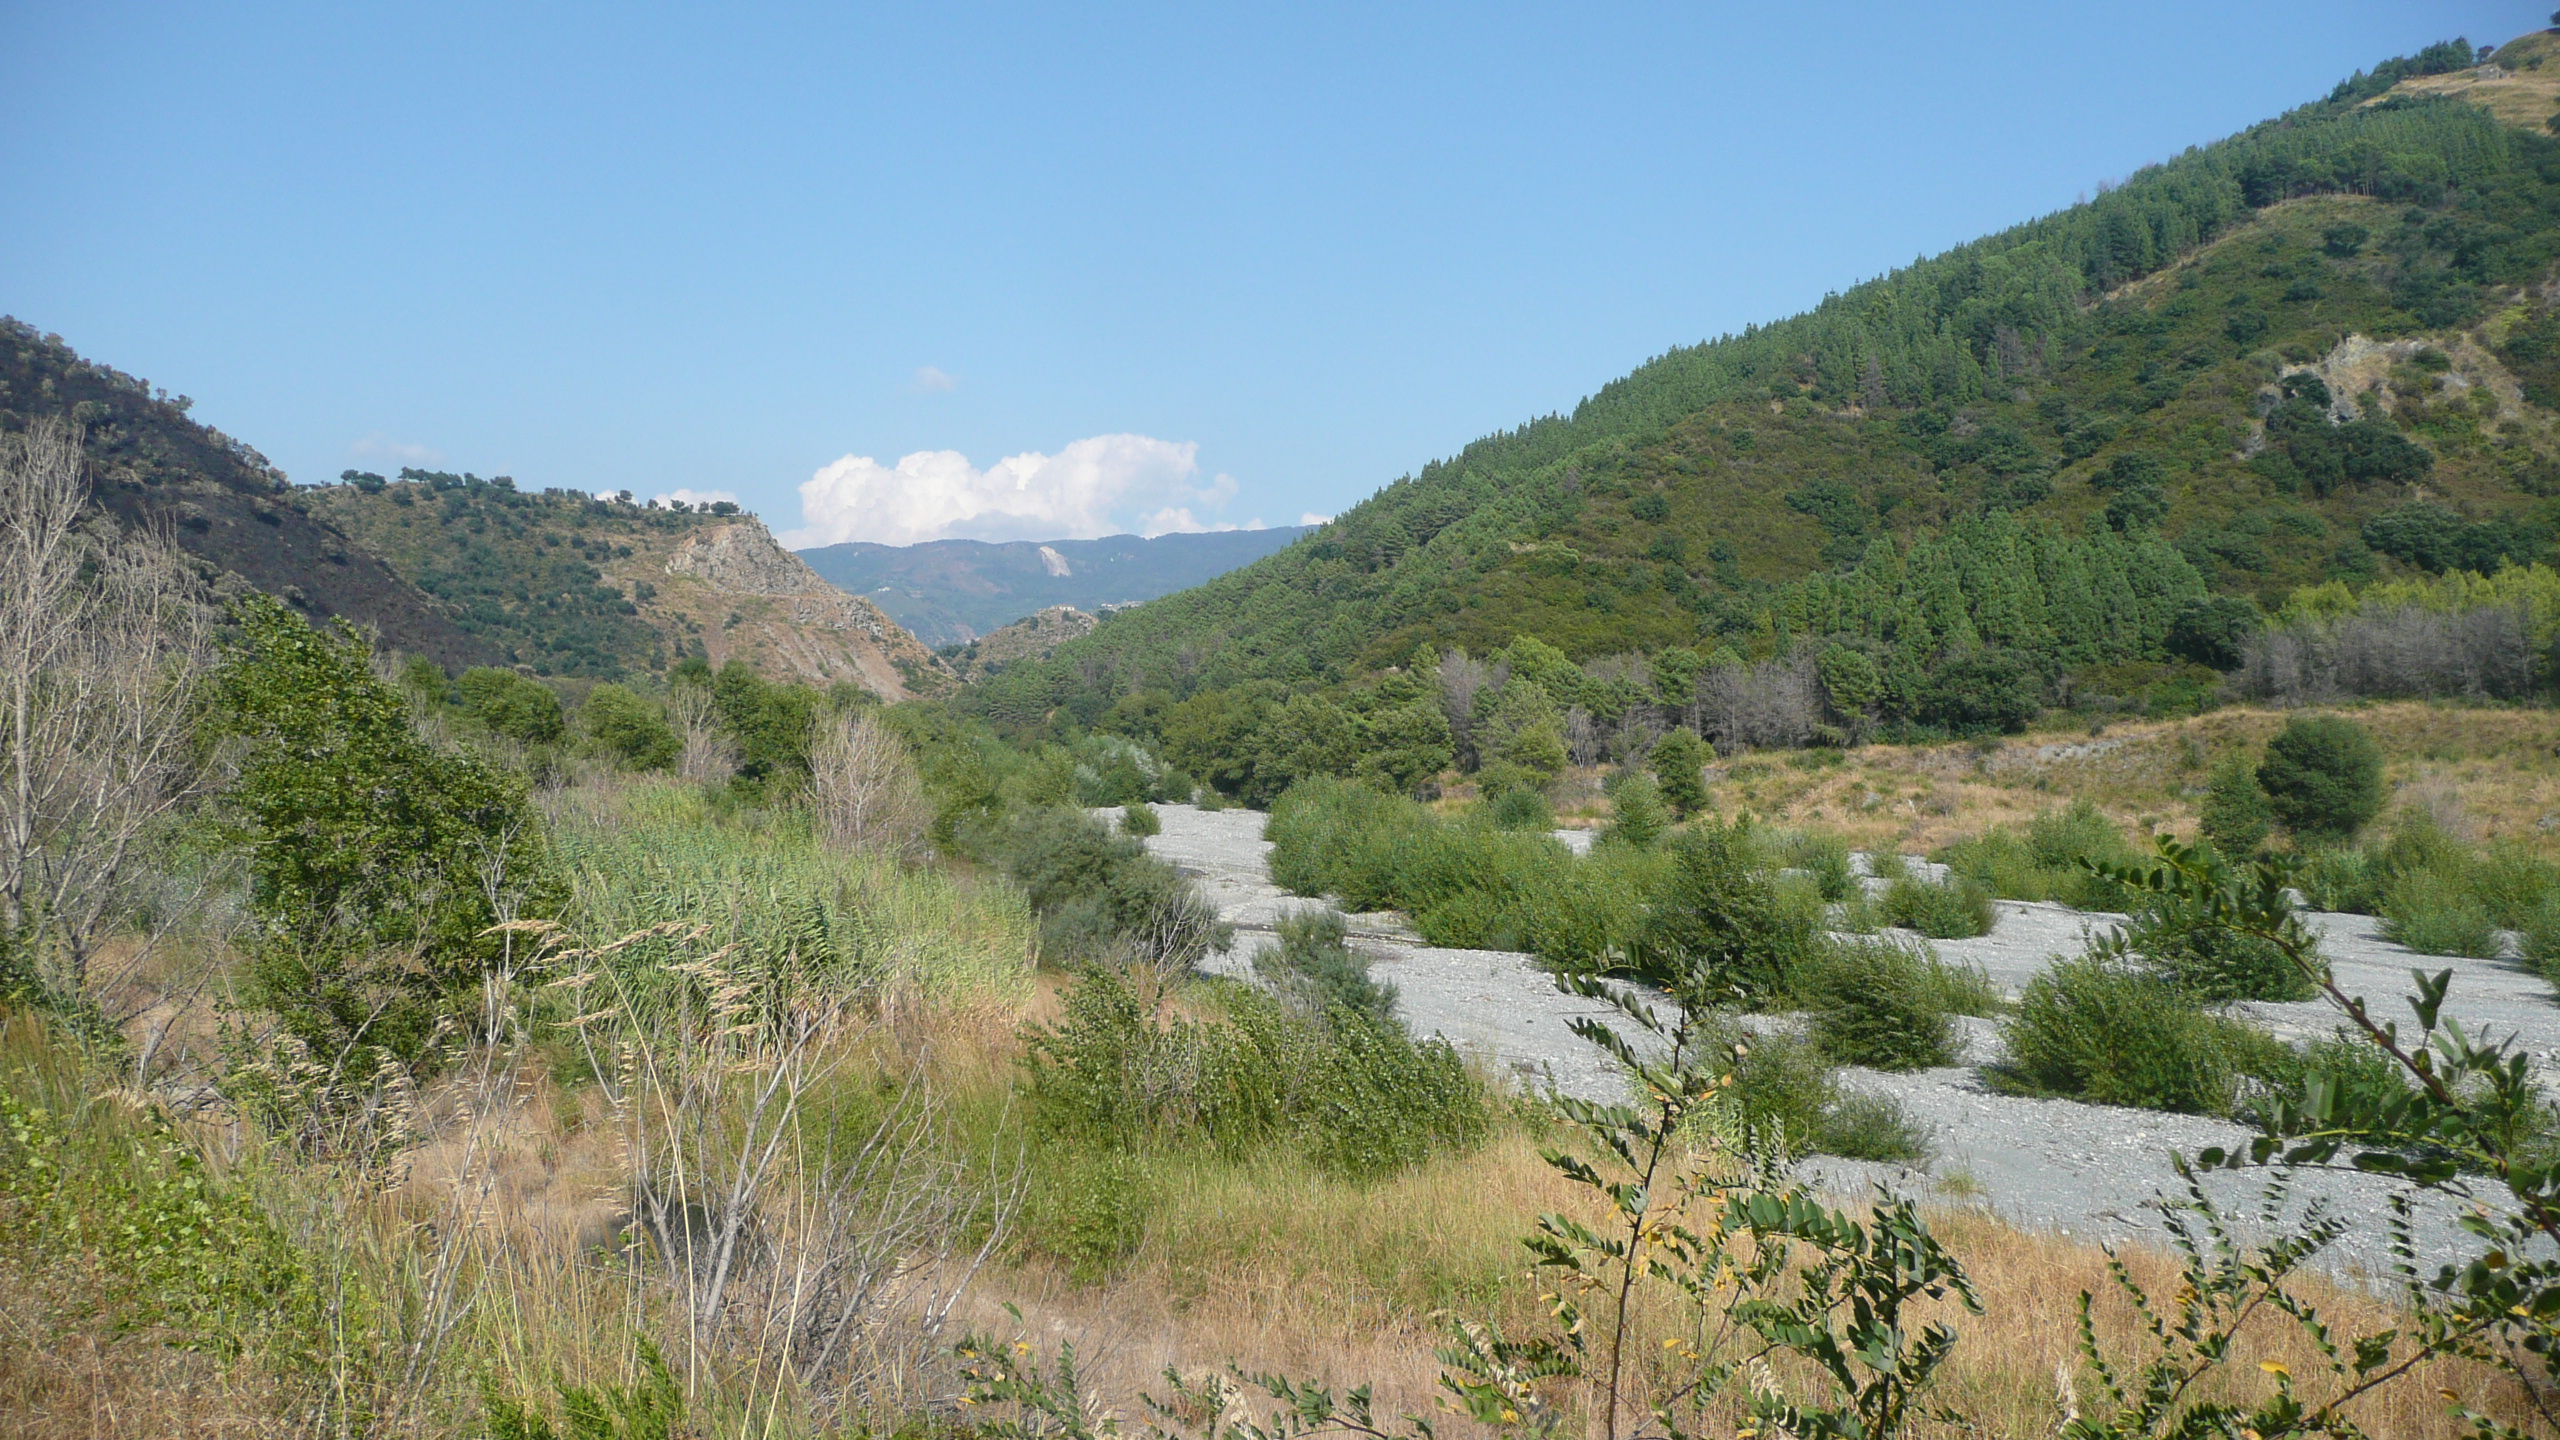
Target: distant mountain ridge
{"points": [[949, 592]]}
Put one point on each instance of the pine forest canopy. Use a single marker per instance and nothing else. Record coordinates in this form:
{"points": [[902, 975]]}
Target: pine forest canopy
{"points": [[2312, 352]]}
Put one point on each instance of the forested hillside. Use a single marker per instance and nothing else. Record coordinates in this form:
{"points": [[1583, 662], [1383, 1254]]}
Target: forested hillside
{"points": [[2087, 450]]}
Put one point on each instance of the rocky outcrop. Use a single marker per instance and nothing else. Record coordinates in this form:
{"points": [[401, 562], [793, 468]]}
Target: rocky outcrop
{"points": [[747, 598], [1029, 638]]}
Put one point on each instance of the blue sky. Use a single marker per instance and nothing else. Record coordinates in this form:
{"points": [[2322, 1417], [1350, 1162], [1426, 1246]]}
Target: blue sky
{"points": [[1035, 271]]}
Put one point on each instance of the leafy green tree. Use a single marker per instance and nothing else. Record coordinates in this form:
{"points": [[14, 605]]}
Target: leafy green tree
{"points": [[510, 704], [1679, 762], [377, 863], [628, 729], [2323, 777], [1850, 680], [770, 721], [1308, 735], [1636, 816], [1985, 690], [2236, 816], [1408, 744], [2211, 630]]}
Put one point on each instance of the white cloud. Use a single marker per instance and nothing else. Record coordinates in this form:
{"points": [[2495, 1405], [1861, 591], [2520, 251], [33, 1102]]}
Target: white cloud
{"points": [[381, 447], [1312, 518], [1103, 485], [693, 497], [934, 380]]}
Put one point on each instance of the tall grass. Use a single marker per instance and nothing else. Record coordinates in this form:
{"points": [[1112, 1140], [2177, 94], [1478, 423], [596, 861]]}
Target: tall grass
{"points": [[657, 853]]}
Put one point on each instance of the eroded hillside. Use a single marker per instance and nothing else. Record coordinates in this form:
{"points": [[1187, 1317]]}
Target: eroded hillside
{"points": [[573, 585]]}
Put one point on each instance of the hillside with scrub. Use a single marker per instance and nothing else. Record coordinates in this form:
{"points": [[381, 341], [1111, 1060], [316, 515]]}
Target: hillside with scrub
{"points": [[601, 588], [1932, 870], [2091, 455]]}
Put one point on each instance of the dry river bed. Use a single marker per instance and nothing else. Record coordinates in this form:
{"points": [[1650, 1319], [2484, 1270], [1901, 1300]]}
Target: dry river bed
{"points": [[2083, 1170]]}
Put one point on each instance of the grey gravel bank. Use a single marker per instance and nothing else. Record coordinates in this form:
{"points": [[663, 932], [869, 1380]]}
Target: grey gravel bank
{"points": [[2060, 1165]]}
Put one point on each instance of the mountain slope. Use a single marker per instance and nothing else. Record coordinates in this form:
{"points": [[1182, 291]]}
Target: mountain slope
{"points": [[218, 499], [951, 591], [2128, 372], [570, 584]]}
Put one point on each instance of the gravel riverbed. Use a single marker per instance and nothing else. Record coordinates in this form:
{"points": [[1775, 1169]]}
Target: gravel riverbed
{"points": [[2082, 1170]]}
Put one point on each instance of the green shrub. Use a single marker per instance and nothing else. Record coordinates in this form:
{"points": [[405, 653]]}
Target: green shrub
{"points": [[363, 841], [1100, 896], [627, 729], [2236, 816], [1333, 837], [2049, 860], [1720, 930], [1957, 910], [2348, 1064], [516, 706], [1088, 1207], [2541, 939], [1637, 818], [2323, 777], [1314, 969], [2513, 883], [1861, 1125], [1359, 1096], [1521, 809], [2110, 1035], [1467, 885], [2209, 962], [1679, 762], [1786, 1098], [2341, 878], [1824, 857], [653, 1409], [2435, 913], [1877, 1003], [1140, 820]]}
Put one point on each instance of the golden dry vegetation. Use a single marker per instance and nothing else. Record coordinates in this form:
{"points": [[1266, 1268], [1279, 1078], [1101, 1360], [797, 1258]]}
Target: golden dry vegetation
{"points": [[1263, 1263], [2495, 770]]}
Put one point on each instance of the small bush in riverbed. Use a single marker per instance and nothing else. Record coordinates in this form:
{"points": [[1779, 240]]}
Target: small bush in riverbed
{"points": [[1720, 928], [1826, 859], [2323, 777], [1357, 1095], [1521, 808], [1637, 818], [1787, 1097], [1314, 969], [2435, 914], [2542, 939], [2099, 1031], [1878, 1003], [2046, 860], [2210, 962], [1140, 820], [1957, 910]]}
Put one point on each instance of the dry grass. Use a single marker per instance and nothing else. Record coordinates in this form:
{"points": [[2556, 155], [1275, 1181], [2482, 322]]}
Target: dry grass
{"points": [[1265, 1263], [1276, 1268], [2498, 768]]}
